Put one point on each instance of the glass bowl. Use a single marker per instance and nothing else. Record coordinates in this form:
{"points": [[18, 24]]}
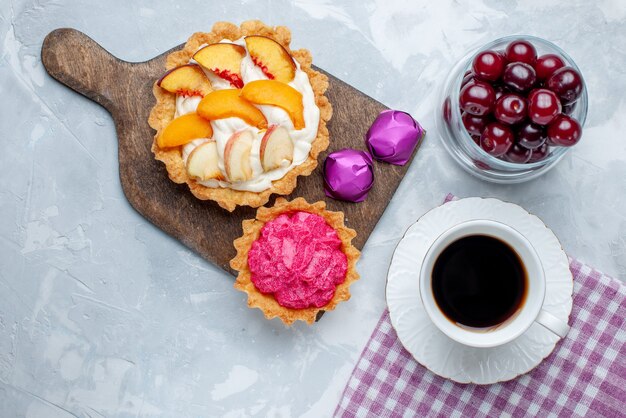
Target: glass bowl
{"points": [[469, 154]]}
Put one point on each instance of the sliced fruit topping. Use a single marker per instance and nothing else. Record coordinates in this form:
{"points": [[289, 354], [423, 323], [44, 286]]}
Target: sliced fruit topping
{"points": [[237, 156], [186, 80], [221, 104], [184, 129], [272, 58], [272, 92], [224, 59], [276, 148], [202, 163]]}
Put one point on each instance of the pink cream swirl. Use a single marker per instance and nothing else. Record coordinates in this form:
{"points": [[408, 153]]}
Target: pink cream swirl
{"points": [[298, 258]]}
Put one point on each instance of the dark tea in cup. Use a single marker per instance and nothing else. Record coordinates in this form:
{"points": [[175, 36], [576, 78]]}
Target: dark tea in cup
{"points": [[479, 281]]}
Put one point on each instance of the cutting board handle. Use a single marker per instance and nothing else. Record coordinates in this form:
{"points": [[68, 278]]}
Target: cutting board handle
{"points": [[68, 56]]}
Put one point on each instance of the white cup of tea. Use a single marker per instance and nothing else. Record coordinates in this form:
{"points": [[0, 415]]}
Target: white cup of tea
{"points": [[483, 285]]}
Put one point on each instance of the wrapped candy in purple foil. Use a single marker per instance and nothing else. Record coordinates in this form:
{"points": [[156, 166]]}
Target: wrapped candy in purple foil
{"points": [[348, 175], [393, 137]]}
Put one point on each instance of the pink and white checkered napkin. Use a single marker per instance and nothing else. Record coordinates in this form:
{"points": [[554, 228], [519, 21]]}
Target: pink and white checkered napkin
{"points": [[584, 376]]}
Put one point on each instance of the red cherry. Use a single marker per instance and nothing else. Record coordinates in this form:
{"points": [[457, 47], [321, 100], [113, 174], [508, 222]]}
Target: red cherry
{"points": [[467, 77], [543, 106], [517, 154], [476, 139], [482, 165], [510, 109], [475, 125], [447, 110], [547, 64], [488, 65], [496, 139], [501, 90], [568, 109], [521, 51], [477, 98], [519, 76], [539, 153], [531, 136], [564, 131], [567, 83]]}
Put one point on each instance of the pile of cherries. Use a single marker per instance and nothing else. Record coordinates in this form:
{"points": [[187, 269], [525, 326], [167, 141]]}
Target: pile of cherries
{"points": [[516, 105]]}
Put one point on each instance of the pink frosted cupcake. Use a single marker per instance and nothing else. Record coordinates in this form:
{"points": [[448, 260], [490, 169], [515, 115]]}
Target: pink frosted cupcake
{"points": [[295, 260]]}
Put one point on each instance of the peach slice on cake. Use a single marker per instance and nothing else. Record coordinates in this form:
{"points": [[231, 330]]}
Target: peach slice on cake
{"points": [[184, 129], [186, 80], [272, 92], [271, 57], [237, 156], [276, 148], [221, 104], [223, 59], [202, 162]]}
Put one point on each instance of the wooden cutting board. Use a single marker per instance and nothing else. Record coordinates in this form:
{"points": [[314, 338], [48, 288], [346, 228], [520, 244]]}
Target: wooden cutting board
{"points": [[125, 90]]}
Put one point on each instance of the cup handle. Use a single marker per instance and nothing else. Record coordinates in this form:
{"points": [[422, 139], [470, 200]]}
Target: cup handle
{"points": [[552, 323]]}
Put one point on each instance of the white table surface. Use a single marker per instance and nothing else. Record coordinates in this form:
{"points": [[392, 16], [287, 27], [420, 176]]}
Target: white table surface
{"points": [[102, 314]]}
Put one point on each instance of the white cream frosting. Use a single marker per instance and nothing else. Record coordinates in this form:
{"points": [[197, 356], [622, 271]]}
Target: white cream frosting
{"points": [[223, 129]]}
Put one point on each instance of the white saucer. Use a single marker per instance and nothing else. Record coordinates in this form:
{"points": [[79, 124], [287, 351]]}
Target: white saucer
{"points": [[433, 349]]}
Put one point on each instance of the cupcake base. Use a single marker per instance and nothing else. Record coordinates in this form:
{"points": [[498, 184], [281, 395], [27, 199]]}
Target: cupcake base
{"points": [[266, 302]]}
